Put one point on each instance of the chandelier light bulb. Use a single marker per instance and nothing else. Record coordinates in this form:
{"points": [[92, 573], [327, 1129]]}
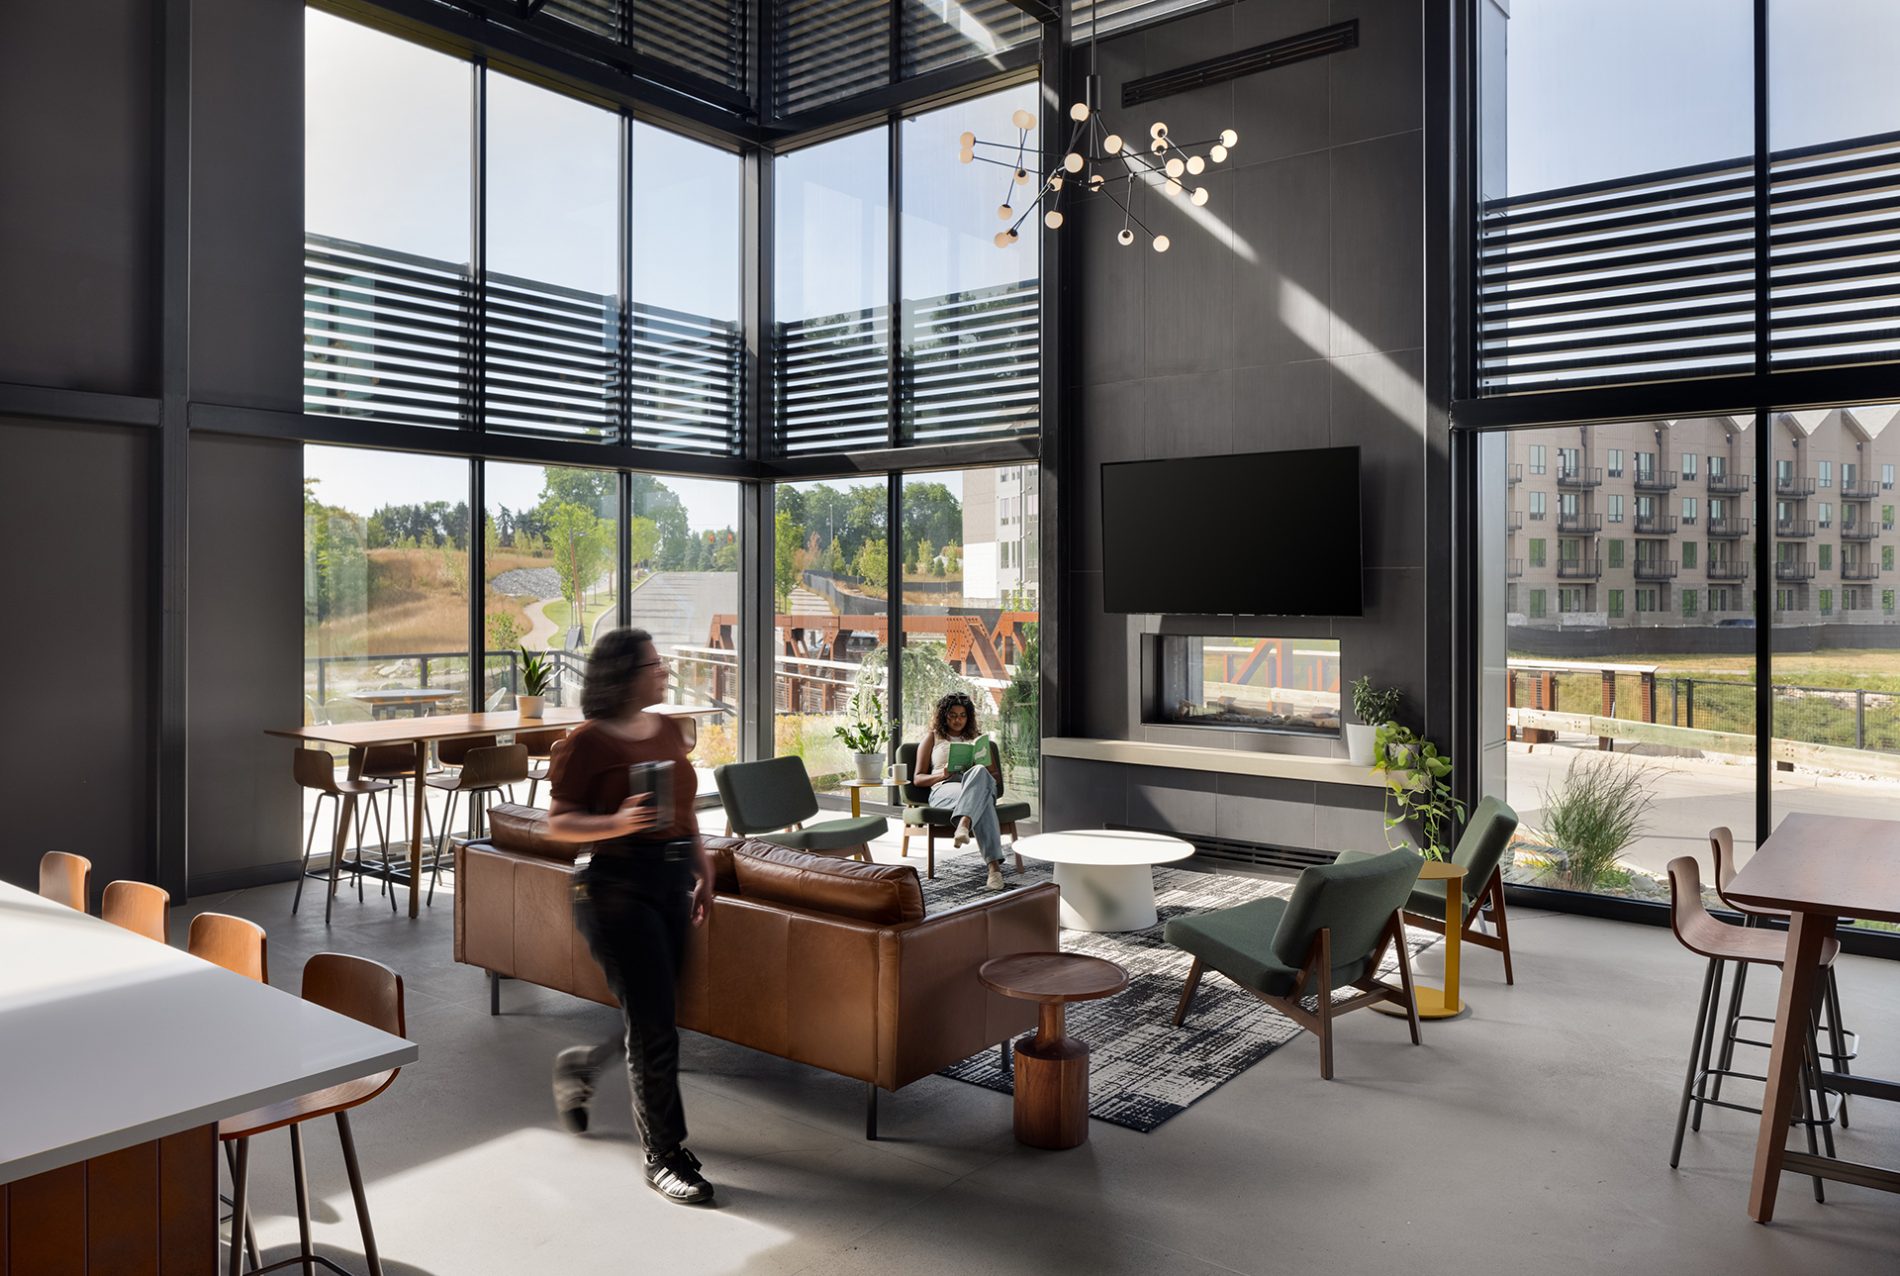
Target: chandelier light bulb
{"points": [[1096, 181], [1217, 153], [1157, 130], [1173, 188], [1112, 143], [1022, 177], [1055, 182], [967, 141], [1199, 197], [1161, 243], [1079, 112], [1229, 138], [1052, 219], [1023, 120], [966, 156], [1196, 165], [1002, 239], [1176, 167], [1004, 212], [1159, 146], [1125, 237], [1072, 161]]}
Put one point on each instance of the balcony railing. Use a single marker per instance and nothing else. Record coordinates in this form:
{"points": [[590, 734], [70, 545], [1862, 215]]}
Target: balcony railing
{"points": [[1513, 568], [1853, 569], [1728, 529], [1656, 524], [1794, 569], [1579, 476], [1656, 569], [1859, 531], [1794, 528], [1859, 490], [1727, 484], [1513, 520], [1538, 516], [1579, 568], [1792, 484], [1514, 475], [1655, 480], [1581, 523], [1728, 569]]}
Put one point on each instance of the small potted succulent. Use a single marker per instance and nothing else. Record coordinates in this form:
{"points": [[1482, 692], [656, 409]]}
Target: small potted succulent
{"points": [[865, 734], [537, 675], [1374, 707]]}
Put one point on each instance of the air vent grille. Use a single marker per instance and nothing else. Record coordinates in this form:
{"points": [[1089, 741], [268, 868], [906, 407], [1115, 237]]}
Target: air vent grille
{"points": [[1231, 66]]}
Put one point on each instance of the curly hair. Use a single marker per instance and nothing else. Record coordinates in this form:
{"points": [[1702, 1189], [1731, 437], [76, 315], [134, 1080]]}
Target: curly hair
{"points": [[939, 722], [617, 657]]}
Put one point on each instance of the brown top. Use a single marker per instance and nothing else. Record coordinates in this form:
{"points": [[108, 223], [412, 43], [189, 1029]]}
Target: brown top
{"points": [[441, 726], [1829, 865], [590, 770], [1053, 977]]}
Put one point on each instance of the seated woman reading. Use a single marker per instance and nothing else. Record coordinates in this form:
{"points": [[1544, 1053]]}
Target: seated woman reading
{"points": [[970, 790]]}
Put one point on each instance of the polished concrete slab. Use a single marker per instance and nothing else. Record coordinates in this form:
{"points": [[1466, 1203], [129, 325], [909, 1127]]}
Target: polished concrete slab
{"points": [[1531, 1136]]}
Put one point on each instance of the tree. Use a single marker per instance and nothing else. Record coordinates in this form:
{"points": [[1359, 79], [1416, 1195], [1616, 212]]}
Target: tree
{"points": [[931, 513], [924, 556], [874, 563], [834, 558], [784, 558], [583, 546], [726, 552], [928, 677], [592, 490], [643, 539]]}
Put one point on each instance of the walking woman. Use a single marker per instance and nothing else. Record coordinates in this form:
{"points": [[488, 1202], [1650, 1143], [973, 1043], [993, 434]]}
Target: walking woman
{"points": [[969, 793], [648, 878]]}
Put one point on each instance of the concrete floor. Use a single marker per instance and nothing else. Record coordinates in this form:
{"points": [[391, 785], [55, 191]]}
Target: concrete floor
{"points": [[1532, 1136]]}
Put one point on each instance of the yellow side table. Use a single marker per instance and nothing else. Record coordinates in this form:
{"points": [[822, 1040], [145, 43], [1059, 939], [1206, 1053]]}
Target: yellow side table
{"points": [[1441, 1003], [858, 786]]}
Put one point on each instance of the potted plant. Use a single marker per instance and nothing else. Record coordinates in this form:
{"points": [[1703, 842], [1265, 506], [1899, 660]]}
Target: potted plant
{"points": [[537, 675], [1418, 783], [865, 734], [1592, 817], [1374, 707]]}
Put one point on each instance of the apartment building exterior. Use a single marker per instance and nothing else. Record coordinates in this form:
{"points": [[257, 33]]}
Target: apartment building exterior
{"points": [[1655, 522], [999, 537]]}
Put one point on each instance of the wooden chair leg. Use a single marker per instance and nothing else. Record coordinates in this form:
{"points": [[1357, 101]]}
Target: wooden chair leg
{"points": [[1504, 925], [930, 850], [1187, 991], [1405, 976], [903, 844], [1324, 974]]}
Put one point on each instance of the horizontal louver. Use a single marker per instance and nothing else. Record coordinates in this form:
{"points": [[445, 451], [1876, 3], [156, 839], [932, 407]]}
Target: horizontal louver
{"points": [[1118, 15], [703, 38], [386, 335], [390, 336], [1653, 277], [970, 364], [832, 382], [601, 18], [941, 33], [825, 50]]}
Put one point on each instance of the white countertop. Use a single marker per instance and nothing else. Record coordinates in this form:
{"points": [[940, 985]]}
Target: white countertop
{"points": [[108, 1040], [1282, 766]]}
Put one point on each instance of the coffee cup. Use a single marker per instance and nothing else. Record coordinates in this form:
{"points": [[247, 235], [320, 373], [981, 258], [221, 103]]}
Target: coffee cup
{"points": [[897, 773]]}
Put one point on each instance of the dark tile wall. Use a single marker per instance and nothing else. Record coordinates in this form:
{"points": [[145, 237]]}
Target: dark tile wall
{"points": [[1294, 317]]}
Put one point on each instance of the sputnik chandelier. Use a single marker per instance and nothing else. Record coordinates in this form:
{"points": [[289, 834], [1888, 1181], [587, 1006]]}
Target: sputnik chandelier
{"points": [[1098, 161]]}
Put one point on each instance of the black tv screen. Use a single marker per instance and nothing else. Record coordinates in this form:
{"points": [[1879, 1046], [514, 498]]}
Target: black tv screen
{"points": [[1261, 534]]}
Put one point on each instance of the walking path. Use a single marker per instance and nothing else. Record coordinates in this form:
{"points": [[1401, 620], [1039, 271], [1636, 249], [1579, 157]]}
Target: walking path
{"points": [[541, 631]]}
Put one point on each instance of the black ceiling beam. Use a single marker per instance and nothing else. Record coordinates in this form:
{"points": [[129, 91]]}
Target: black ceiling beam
{"points": [[1232, 66]]}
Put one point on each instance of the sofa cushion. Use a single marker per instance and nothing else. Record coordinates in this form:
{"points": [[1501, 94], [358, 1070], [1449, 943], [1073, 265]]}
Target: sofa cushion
{"points": [[724, 881], [524, 830], [883, 894]]}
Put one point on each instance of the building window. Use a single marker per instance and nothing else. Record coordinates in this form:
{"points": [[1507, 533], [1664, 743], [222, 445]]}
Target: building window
{"points": [[1688, 602], [1537, 505], [1688, 511], [1849, 472], [1688, 555], [1825, 556], [1616, 462], [1718, 466], [1827, 602], [1616, 604], [1537, 458], [1570, 600], [1826, 518], [1886, 558], [1886, 477], [1688, 465], [1886, 518], [1645, 600], [1886, 601], [1645, 465], [1824, 473], [1615, 551], [1537, 604], [1616, 507], [1537, 551]]}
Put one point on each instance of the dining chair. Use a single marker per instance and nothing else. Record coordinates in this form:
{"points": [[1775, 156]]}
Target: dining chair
{"points": [[540, 746], [933, 820], [239, 946], [370, 993], [1843, 1046], [1707, 935], [484, 774], [66, 879], [139, 907], [316, 769]]}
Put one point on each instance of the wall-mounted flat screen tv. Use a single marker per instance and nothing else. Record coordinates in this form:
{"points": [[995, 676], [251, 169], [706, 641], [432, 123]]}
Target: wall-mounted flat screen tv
{"points": [[1261, 534]]}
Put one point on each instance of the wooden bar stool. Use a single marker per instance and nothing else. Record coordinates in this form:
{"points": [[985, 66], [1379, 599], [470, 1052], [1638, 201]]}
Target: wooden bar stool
{"points": [[139, 907], [370, 993], [1843, 1046], [395, 763], [66, 879], [540, 745], [485, 773], [238, 946], [316, 769], [1701, 932]]}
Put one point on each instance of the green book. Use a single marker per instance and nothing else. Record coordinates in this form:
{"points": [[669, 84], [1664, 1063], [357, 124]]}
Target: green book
{"points": [[964, 755]]}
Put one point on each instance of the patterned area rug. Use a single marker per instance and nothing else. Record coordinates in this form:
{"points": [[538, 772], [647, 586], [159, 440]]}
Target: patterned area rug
{"points": [[1142, 1069]]}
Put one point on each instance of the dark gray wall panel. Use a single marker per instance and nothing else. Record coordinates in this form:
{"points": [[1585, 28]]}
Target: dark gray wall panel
{"points": [[79, 216], [246, 636], [247, 203], [75, 508]]}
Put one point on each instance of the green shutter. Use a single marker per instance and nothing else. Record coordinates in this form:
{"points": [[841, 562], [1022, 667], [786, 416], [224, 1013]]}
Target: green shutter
{"points": [[1688, 553], [1616, 604], [1616, 553]]}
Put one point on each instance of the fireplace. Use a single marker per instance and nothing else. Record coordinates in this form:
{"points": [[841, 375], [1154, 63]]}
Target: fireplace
{"points": [[1288, 686]]}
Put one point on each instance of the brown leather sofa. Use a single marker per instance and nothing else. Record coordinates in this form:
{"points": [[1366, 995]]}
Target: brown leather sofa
{"points": [[819, 960]]}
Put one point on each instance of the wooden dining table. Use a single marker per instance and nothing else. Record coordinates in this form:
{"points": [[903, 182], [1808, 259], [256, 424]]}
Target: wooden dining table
{"points": [[1819, 868], [418, 733]]}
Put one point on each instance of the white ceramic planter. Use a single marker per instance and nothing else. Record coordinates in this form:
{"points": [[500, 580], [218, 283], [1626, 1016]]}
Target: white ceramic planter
{"points": [[1360, 740], [531, 706], [870, 766]]}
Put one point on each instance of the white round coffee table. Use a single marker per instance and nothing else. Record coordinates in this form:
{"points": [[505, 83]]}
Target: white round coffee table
{"points": [[1106, 876]]}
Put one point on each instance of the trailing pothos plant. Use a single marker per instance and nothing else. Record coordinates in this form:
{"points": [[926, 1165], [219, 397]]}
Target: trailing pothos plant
{"points": [[1418, 784]]}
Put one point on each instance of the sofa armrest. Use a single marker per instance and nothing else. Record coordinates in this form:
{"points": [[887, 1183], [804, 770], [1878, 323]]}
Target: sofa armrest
{"points": [[932, 1012]]}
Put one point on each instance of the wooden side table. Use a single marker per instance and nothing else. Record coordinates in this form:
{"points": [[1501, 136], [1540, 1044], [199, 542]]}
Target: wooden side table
{"points": [[856, 787], [1446, 1002], [1052, 1068]]}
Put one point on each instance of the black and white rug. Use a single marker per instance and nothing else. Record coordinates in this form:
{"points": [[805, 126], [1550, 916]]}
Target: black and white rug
{"points": [[1144, 1070]]}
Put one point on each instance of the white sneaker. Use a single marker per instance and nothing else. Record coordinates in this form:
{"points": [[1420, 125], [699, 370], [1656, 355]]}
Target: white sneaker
{"points": [[995, 881], [962, 835]]}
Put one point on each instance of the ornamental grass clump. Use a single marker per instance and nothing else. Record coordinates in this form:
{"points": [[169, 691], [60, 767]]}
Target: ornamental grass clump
{"points": [[1592, 817]]}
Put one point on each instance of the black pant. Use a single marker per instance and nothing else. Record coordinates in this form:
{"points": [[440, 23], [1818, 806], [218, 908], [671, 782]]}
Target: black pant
{"points": [[635, 916]]}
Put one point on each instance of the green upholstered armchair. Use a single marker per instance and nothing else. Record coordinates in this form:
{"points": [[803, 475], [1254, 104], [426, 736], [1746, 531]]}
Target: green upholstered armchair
{"points": [[773, 801], [1480, 852], [932, 820], [1331, 933]]}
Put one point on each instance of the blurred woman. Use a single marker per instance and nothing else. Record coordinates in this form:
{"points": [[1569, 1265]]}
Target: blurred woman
{"points": [[969, 792]]}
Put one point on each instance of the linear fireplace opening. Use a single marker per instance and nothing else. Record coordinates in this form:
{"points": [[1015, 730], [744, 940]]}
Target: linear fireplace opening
{"points": [[1284, 685]]}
